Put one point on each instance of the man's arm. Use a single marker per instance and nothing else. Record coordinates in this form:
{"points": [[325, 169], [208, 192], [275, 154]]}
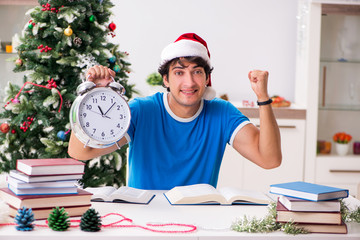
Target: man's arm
{"points": [[101, 76], [263, 147], [76, 149]]}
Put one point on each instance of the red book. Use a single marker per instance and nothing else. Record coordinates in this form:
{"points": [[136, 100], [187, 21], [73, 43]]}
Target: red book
{"points": [[285, 215], [82, 197], [50, 166], [43, 213]]}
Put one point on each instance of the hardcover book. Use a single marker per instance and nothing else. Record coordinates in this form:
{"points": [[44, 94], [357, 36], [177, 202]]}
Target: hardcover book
{"points": [[301, 205], [82, 197], [32, 179], [43, 191], [324, 228], [16, 183], [43, 213], [207, 194], [309, 191], [50, 166], [123, 194], [285, 215]]}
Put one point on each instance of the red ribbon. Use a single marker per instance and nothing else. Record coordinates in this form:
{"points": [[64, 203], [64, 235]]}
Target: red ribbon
{"points": [[51, 84], [117, 224]]}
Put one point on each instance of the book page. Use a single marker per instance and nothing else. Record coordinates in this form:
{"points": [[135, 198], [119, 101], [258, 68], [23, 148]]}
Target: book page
{"points": [[194, 194], [130, 194], [232, 194], [101, 192]]}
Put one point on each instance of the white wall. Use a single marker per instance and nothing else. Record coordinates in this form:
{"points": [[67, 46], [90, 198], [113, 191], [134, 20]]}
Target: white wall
{"points": [[241, 34]]}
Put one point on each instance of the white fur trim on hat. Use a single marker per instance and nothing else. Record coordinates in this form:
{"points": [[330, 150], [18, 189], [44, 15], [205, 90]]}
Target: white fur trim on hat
{"points": [[184, 48], [209, 93]]}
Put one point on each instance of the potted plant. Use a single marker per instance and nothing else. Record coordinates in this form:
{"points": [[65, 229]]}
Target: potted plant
{"points": [[342, 140]]}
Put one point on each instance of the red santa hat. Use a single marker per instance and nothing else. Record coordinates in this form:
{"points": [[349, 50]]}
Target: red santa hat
{"points": [[189, 45]]}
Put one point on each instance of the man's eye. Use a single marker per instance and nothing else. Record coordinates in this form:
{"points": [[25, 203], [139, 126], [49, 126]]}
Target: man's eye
{"points": [[178, 73], [198, 72]]}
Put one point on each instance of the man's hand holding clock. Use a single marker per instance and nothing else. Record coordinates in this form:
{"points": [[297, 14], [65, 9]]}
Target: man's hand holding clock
{"points": [[100, 75]]}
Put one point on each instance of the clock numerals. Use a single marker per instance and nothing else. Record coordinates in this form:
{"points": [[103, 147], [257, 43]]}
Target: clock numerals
{"points": [[103, 116]]}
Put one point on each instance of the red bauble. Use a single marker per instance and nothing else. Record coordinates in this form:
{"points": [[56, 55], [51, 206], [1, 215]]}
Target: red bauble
{"points": [[4, 127], [18, 62], [112, 26]]}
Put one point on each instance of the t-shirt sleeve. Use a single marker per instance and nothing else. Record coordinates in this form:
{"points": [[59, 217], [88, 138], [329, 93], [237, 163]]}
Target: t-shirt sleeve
{"points": [[235, 120], [134, 109]]}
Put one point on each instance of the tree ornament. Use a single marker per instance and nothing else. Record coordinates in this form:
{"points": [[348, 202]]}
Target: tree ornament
{"points": [[68, 31], [18, 62], [58, 219], [31, 24], [24, 219], [44, 48], [77, 41], [112, 26], [4, 127], [92, 18], [116, 68], [90, 221], [61, 135], [112, 59]]}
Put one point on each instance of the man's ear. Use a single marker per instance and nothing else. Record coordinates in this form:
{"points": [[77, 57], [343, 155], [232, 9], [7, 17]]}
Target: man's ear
{"points": [[165, 81], [207, 81]]}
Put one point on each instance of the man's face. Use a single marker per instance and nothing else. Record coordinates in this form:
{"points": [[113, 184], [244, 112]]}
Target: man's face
{"points": [[187, 83]]}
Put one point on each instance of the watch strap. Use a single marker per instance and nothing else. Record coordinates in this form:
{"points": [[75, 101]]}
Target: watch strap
{"points": [[265, 102]]}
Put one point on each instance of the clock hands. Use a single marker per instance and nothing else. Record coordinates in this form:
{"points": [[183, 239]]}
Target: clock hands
{"points": [[109, 109], [102, 114]]}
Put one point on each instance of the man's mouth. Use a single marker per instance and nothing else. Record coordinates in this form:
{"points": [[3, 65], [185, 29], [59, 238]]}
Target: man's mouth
{"points": [[188, 91]]}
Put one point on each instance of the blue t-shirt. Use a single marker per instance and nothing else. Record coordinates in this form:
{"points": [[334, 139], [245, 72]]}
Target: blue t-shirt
{"points": [[167, 151]]}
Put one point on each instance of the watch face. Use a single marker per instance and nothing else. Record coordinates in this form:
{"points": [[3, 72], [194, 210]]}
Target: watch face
{"points": [[104, 115]]}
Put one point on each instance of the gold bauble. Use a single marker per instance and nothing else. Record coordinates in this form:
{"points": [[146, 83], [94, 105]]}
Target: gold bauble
{"points": [[68, 31]]}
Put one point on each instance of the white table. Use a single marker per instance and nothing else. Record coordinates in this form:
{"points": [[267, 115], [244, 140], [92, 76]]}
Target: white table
{"points": [[213, 222]]}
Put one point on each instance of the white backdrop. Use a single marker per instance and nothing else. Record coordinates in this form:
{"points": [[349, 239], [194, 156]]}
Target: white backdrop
{"points": [[241, 34]]}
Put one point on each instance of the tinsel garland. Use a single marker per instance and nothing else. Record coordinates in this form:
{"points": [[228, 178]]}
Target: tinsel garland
{"points": [[269, 224]]}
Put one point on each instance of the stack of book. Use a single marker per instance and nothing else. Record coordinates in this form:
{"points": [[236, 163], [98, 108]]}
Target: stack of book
{"points": [[314, 207], [42, 184]]}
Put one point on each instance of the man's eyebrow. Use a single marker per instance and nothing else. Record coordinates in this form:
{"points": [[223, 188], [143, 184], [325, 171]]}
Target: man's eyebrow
{"points": [[179, 67]]}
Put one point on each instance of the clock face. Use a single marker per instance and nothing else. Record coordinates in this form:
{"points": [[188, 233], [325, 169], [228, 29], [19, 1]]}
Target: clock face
{"points": [[104, 115]]}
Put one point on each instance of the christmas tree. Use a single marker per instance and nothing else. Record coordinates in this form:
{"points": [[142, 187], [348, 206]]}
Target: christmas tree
{"points": [[60, 42]]}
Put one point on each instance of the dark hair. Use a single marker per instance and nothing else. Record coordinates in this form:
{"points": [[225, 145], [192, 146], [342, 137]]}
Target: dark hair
{"points": [[164, 68]]}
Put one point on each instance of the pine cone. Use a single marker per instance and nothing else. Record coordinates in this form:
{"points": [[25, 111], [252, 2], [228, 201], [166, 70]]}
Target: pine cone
{"points": [[58, 220], [77, 41], [24, 219], [90, 221]]}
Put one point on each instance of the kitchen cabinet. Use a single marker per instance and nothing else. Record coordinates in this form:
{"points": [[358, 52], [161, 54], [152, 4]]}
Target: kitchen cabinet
{"points": [[327, 85], [239, 172]]}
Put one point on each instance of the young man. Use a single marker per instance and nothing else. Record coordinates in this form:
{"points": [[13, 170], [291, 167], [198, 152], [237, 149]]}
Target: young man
{"points": [[179, 138]]}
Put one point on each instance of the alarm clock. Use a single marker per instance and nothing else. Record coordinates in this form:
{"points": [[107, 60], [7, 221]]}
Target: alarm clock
{"points": [[100, 116]]}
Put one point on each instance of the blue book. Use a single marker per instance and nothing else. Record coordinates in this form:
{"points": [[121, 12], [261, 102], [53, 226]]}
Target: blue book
{"points": [[309, 191]]}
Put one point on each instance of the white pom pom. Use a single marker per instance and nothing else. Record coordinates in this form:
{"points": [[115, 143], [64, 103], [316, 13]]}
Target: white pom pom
{"points": [[209, 94]]}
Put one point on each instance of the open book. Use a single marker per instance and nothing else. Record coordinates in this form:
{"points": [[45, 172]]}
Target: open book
{"points": [[207, 194], [123, 194]]}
